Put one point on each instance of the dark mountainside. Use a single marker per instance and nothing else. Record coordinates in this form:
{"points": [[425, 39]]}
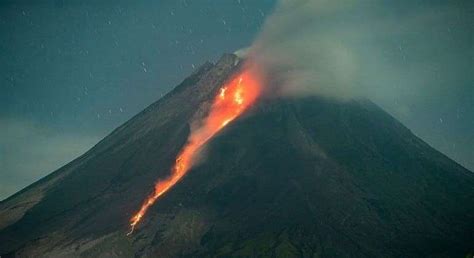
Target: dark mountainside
{"points": [[292, 177]]}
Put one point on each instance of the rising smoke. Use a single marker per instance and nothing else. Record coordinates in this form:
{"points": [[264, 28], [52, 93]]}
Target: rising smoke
{"points": [[413, 58], [300, 54], [362, 48]]}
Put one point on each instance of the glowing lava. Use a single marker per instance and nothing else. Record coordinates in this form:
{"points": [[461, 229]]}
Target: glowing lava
{"points": [[231, 101]]}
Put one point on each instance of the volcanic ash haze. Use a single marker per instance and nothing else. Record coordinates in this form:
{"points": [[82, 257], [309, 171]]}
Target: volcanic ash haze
{"points": [[363, 48], [289, 177]]}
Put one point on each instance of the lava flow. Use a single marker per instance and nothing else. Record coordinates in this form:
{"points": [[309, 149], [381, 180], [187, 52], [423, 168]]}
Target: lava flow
{"points": [[231, 101]]}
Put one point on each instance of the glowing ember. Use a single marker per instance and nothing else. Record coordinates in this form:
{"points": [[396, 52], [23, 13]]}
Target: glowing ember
{"points": [[233, 99]]}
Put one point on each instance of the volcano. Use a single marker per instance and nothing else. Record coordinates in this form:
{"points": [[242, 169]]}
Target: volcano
{"points": [[290, 177]]}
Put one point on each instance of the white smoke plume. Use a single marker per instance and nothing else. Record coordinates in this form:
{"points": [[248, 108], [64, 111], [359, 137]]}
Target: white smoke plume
{"points": [[413, 58], [356, 48], [304, 56]]}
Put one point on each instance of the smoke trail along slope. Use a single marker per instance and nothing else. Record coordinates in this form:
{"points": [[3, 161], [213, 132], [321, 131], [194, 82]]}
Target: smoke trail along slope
{"points": [[231, 101]]}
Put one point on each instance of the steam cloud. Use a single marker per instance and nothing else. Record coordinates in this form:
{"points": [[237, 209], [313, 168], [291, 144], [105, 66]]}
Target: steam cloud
{"points": [[413, 58], [362, 48], [297, 47]]}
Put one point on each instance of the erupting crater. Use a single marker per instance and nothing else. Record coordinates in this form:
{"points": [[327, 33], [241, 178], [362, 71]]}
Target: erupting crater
{"points": [[231, 101]]}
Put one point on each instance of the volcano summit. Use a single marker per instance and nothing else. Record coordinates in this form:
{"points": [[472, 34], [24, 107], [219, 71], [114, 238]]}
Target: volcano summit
{"points": [[290, 177]]}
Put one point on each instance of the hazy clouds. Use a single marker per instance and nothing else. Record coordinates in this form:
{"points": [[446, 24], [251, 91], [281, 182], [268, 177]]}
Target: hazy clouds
{"points": [[30, 150]]}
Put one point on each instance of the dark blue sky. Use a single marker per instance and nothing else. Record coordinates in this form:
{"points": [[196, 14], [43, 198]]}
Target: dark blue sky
{"points": [[72, 71], [66, 65]]}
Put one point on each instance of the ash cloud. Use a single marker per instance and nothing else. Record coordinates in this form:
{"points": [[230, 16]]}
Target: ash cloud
{"points": [[413, 58], [364, 48], [303, 55]]}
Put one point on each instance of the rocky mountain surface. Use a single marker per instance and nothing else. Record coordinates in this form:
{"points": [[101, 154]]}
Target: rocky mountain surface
{"points": [[292, 177]]}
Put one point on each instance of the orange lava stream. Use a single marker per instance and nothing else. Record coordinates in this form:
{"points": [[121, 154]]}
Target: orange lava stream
{"points": [[233, 99]]}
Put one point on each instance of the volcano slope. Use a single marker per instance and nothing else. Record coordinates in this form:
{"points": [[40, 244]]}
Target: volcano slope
{"points": [[292, 177]]}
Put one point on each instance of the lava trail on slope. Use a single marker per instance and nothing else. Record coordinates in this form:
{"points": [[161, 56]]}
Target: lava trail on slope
{"points": [[231, 101]]}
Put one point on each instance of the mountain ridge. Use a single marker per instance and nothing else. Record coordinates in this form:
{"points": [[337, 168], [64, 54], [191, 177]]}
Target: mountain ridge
{"points": [[293, 176]]}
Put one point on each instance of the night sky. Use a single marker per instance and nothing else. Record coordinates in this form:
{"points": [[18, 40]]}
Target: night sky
{"points": [[72, 71]]}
